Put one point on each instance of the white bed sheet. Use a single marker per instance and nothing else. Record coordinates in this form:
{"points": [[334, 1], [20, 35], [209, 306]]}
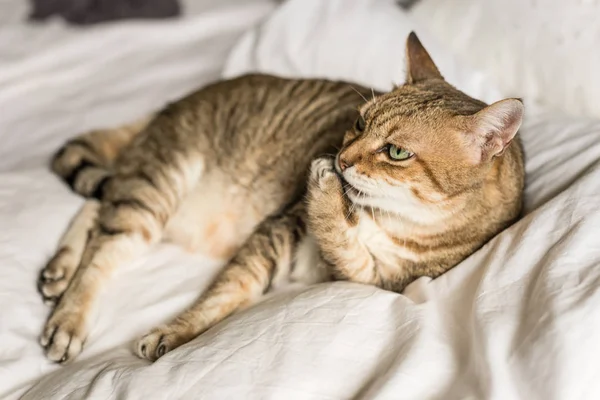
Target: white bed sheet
{"points": [[517, 320], [56, 81]]}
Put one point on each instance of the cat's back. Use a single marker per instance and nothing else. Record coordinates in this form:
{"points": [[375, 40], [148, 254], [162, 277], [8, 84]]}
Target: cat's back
{"points": [[257, 118], [251, 98], [259, 127], [266, 107], [262, 113]]}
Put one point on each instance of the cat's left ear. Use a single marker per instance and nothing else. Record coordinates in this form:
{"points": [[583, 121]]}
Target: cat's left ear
{"points": [[419, 65], [491, 130]]}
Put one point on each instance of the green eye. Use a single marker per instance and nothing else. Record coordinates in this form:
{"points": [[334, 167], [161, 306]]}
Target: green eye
{"points": [[360, 124], [398, 153]]}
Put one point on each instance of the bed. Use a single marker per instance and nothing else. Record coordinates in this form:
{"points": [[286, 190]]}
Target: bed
{"points": [[519, 319]]}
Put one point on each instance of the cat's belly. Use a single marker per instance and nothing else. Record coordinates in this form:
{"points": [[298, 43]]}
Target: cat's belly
{"points": [[214, 219]]}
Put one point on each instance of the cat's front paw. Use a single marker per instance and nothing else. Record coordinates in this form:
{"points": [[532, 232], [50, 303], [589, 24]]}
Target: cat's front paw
{"points": [[161, 340], [322, 173], [64, 334]]}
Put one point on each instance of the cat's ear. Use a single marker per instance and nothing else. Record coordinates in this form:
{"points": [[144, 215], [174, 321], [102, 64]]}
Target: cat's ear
{"points": [[419, 65], [491, 130]]}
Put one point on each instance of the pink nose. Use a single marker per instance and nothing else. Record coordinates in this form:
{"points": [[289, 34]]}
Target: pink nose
{"points": [[343, 164]]}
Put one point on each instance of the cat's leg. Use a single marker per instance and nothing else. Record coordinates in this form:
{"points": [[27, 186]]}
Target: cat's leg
{"points": [[132, 215], [84, 162], [334, 225], [57, 274], [268, 252]]}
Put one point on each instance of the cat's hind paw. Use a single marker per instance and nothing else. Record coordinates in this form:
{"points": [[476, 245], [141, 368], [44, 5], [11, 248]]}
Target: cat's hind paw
{"points": [[64, 334], [56, 275]]}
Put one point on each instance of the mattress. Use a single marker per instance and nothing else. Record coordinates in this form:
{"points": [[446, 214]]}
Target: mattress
{"points": [[518, 319]]}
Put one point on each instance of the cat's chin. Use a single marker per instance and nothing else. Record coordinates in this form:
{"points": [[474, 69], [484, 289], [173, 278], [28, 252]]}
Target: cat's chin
{"points": [[356, 196], [351, 191], [359, 197], [362, 198]]}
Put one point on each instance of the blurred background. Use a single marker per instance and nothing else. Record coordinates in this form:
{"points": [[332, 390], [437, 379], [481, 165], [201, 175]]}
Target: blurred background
{"points": [[517, 320]]}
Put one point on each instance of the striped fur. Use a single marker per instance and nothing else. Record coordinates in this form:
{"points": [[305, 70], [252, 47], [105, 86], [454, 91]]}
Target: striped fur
{"points": [[85, 162], [250, 171], [205, 172]]}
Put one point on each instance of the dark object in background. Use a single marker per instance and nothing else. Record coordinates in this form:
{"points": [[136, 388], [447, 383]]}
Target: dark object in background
{"points": [[83, 12], [406, 4]]}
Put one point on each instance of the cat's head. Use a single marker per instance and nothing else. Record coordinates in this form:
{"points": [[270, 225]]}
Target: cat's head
{"points": [[425, 143]]}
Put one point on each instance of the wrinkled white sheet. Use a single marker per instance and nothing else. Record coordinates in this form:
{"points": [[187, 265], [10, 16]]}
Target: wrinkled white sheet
{"points": [[517, 320], [56, 81]]}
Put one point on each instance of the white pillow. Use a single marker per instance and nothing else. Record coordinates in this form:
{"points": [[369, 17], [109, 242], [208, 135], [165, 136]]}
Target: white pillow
{"points": [[548, 51], [359, 41]]}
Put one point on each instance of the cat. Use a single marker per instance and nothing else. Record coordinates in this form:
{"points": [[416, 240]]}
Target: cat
{"points": [[248, 170]]}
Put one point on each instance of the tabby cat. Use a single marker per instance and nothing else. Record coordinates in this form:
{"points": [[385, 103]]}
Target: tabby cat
{"points": [[243, 170]]}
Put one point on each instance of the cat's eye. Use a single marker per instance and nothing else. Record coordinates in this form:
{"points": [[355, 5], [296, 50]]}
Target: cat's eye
{"points": [[398, 153], [360, 124]]}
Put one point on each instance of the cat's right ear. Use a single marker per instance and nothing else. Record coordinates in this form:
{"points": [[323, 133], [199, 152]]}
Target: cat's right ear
{"points": [[492, 129], [419, 65]]}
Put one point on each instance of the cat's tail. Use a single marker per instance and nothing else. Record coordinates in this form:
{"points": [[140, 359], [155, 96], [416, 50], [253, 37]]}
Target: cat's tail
{"points": [[85, 162]]}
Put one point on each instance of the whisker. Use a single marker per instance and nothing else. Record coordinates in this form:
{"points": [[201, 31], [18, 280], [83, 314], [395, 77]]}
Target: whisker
{"points": [[349, 212], [359, 93], [389, 218], [360, 196], [352, 207], [347, 185]]}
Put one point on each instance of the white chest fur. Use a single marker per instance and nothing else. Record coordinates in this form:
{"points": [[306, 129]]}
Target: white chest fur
{"points": [[378, 237], [306, 266]]}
